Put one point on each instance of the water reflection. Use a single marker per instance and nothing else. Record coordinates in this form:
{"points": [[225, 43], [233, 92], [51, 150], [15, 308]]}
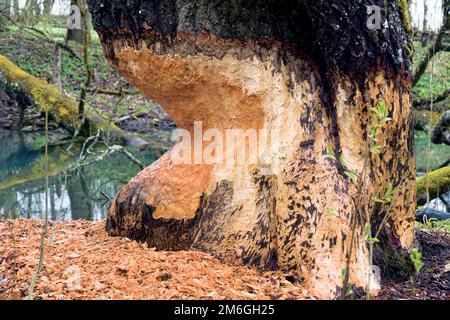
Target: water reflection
{"points": [[83, 194], [438, 154]]}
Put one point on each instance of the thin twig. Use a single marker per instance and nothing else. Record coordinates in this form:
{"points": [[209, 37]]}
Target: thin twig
{"points": [[44, 230]]}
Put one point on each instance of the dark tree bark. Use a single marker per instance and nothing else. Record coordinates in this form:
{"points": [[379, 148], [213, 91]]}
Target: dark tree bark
{"points": [[310, 70]]}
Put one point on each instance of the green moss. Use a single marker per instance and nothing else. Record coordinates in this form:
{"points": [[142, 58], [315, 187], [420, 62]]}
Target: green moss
{"points": [[438, 183], [403, 5], [47, 97], [394, 263]]}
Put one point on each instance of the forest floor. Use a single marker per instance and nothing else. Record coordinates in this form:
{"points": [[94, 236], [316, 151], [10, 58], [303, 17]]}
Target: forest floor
{"points": [[433, 282], [83, 262]]}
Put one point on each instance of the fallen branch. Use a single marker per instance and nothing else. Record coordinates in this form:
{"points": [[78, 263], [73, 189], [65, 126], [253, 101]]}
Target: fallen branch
{"points": [[131, 157], [114, 93], [438, 183], [134, 116], [119, 93], [61, 108], [109, 150], [428, 214]]}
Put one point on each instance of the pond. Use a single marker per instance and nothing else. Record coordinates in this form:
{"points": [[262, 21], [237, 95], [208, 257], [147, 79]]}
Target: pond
{"points": [[85, 194], [82, 194], [438, 154]]}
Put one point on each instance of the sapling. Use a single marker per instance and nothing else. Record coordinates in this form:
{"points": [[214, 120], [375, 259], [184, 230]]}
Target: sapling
{"points": [[416, 258], [43, 232], [380, 116]]}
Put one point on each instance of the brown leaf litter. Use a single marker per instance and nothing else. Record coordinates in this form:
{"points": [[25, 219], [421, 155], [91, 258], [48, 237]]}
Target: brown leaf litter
{"points": [[83, 262]]}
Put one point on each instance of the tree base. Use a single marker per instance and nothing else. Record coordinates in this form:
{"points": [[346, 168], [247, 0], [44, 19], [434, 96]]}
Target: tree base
{"points": [[293, 209]]}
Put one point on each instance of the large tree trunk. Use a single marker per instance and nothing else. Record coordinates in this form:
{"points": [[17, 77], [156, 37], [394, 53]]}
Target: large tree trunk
{"points": [[307, 71]]}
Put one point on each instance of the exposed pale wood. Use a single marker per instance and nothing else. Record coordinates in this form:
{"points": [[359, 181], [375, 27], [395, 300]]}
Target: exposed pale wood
{"points": [[242, 73]]}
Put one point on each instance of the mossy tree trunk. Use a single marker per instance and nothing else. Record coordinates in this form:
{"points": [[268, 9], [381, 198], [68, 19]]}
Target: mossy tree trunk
{"points": [[28, 90], [434, 184], [309, 71]]}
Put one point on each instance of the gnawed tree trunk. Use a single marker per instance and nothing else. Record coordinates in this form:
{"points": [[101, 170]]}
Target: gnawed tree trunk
{"points": [[308, 71]]}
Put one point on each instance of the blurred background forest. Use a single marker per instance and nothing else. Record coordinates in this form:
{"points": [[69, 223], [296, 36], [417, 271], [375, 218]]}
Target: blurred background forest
{"points": [[35, 39]]}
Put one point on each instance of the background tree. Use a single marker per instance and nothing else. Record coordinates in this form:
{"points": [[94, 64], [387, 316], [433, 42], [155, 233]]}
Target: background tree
{"points": [[48, 6], [75, 31], [16, 9], [5, 12]]}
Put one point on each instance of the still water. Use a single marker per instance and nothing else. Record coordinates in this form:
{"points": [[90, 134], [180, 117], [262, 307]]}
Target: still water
{"points": [[82, 194], [85, 194]]}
